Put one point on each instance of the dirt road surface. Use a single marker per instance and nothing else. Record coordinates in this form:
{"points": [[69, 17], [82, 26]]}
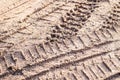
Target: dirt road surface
{"points": [[59, 39]]}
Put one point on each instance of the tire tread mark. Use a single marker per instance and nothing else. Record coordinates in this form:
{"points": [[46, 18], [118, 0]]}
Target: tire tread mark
{"points": [[111, 65], [86, 40], [48, 14], [77, 42], [109, 33], [68, 43], [47, 49], [15, 7], [81, 41], [96, 35], [94, 71], [116, 63], [95, 75], [106, 67], [40, 51], [18, 57], [73, 76], [34, 52], [55, 48], [67, 49], [113, 76], [65, 64], [9, 60], [100, 35], [3, 66], [76, 74], [26, 54], [85, 75], [60, 46]]}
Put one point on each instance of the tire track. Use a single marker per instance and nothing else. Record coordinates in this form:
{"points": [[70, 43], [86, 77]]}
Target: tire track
{"points": [[84, 16], [57, 66], [86, 71], [24, 27], [34, 54], [39, 60], [98, 36], [12, 33], [35, 23], [63, 65]]}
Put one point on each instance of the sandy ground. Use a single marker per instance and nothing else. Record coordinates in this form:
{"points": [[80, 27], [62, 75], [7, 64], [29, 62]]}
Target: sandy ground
{"points": [[41, 39]]}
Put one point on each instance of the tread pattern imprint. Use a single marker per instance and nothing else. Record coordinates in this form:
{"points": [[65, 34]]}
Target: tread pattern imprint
{"points": [[60, 40]]}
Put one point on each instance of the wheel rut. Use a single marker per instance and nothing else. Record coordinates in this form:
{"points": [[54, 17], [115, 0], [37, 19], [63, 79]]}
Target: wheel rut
{"points": [[60, 40]]}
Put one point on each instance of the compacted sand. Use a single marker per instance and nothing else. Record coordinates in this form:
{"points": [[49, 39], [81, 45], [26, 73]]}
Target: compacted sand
{"points": [[59, 39]]}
